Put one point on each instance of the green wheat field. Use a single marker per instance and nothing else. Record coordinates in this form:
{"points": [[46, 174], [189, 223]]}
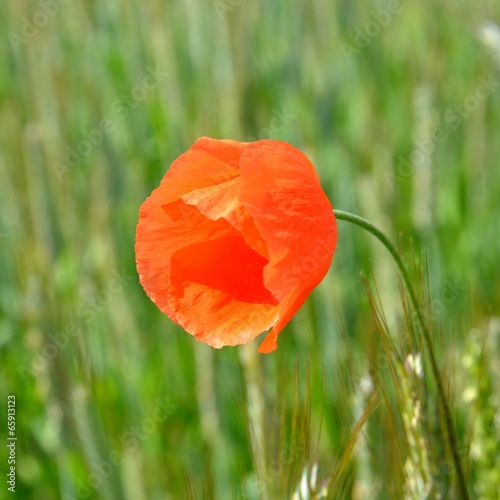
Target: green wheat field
{"points": [[396, 103]]}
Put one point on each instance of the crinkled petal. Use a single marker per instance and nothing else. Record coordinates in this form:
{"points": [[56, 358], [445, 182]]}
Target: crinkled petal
{"points": [[214, 317], [161, 231], [226, 264], [208, 162], [281, 191]]}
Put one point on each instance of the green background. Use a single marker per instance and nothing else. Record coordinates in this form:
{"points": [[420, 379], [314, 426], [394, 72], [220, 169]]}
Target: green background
{"points": [[397, 105]]}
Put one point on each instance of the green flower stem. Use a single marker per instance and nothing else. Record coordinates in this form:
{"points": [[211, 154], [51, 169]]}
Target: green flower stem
{"points": [[452, 439]]}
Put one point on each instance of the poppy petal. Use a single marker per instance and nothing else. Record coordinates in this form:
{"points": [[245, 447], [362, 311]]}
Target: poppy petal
{"points": [[289, 307], [227, 264], [208, 162], [223, 321], [222, 201], [294, 217], [161, 231]]}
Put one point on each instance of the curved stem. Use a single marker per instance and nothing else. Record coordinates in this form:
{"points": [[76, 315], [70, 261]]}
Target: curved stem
{"points": [[452, 439]]}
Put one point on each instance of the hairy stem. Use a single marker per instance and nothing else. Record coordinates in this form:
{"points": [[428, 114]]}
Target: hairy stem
{"points": [[452, 438]]}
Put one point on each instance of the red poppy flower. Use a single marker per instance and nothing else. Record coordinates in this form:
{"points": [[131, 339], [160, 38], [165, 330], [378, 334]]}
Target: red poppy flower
{"points": [[234, 239]]}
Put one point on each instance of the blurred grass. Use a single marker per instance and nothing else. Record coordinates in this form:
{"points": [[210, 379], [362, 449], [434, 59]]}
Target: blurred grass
{"points": [[95, 366]]}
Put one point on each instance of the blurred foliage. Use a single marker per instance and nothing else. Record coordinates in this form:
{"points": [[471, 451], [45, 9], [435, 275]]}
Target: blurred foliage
{"points": [[397, 105]]}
